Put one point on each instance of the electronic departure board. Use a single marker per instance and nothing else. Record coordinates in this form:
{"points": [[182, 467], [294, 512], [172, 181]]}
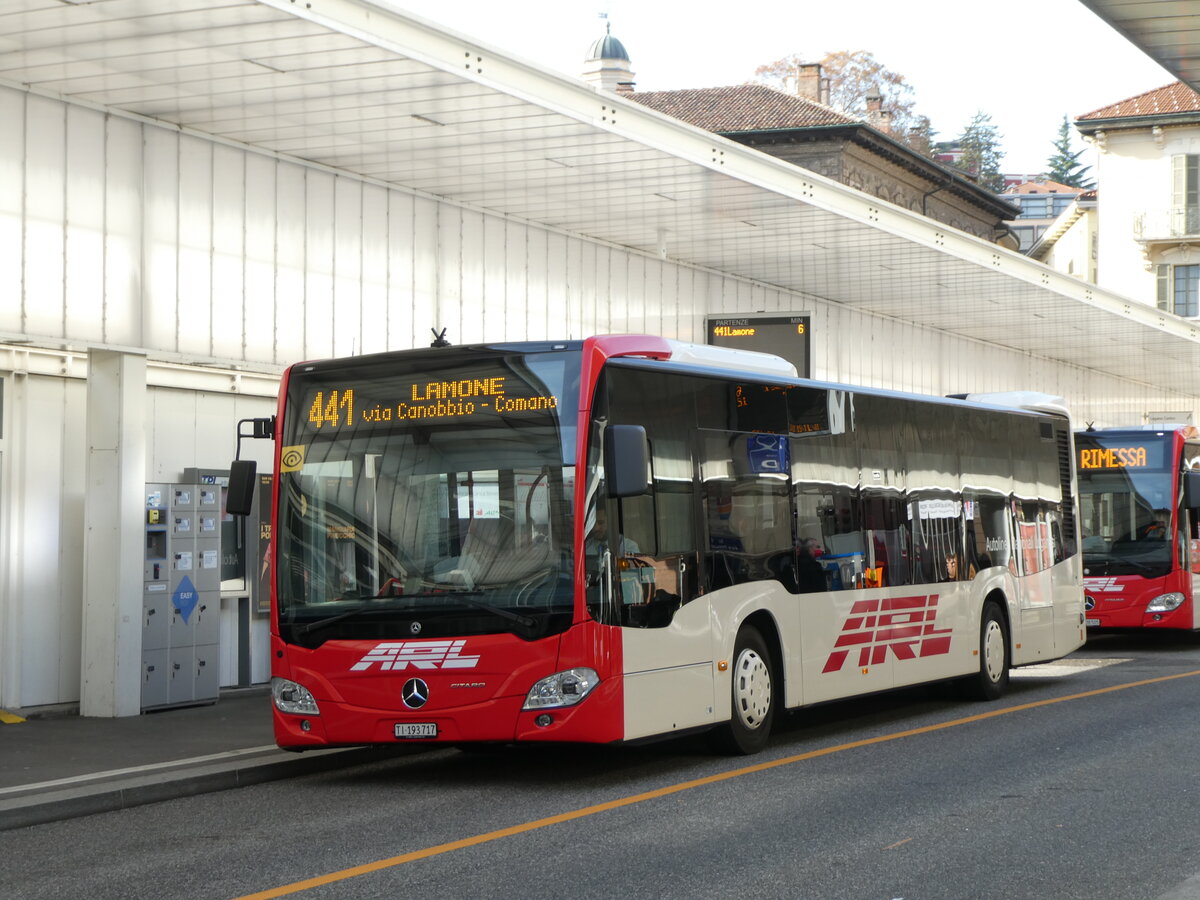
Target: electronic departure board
{"points": [[786, 336]]}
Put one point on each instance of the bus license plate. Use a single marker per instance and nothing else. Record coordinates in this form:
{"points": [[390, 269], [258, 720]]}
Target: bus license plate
{"points": [[416, 729], [1092, 623]]}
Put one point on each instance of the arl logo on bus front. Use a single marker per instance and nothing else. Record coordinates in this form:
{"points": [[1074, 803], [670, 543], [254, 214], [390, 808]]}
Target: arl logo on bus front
{"points": [[901, 625], [396, 656]]}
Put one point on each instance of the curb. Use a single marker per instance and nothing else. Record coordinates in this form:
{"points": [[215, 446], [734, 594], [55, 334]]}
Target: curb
{"points": [[39, 805]]}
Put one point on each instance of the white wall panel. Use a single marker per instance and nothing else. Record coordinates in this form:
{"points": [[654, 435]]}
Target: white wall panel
{"points": [[290, 274], [317, 303], [83, 251], [228, 293], [516, 280], [160, 239], [73, 484], [346, 312], [374, 280], [258, 326], [425, 307], [448, 278], [48, 439], [494, 290], [542, 318], [193, 302], [570, 285], [471, 283], [45, 198], [12, 205], [123, 205], [401, 248]]}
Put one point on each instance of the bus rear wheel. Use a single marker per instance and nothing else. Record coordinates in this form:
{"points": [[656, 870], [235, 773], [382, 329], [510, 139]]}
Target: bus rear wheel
{"points": [[992, 678], [752, 695]]}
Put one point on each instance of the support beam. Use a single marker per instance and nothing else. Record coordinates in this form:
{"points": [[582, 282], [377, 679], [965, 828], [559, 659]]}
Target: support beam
{"points": [[114, 507]]}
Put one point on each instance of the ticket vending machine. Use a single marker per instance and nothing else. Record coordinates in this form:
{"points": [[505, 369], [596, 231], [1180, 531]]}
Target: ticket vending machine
{"points": [[181, 595]]}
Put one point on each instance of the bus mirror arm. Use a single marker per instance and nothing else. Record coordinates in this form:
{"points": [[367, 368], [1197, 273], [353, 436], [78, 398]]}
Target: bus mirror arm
{"points": [[240, 496]]}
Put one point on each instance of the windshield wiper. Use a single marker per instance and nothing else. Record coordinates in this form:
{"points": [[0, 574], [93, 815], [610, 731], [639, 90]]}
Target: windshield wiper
{"points": [[498, 610], [363, 608]]}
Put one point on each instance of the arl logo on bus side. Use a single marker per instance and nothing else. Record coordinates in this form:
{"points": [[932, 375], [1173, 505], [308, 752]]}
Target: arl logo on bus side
{"points": [[901, 625], [396, 656]]}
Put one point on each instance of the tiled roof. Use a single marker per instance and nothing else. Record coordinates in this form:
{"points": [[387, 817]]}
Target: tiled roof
{"points": [[741, 107], [1172, 99], [1042, 187]]}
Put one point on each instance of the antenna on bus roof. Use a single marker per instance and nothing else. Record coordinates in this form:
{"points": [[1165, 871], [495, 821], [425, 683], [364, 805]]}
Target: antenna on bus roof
{"points": [[439, 338], [1091, 426]]}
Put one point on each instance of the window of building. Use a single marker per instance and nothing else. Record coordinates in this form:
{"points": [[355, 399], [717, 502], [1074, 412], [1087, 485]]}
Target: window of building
{"points": [[1034, 208], [1185, 193], [1179, 289]]}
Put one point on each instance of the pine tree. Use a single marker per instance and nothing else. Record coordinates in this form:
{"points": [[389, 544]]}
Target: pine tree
{"points": [[981, 152], [1064, 166]]}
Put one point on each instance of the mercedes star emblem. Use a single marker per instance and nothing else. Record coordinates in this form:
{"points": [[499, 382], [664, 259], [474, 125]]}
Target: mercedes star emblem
{"points": [[415, 693], [415, 627]]}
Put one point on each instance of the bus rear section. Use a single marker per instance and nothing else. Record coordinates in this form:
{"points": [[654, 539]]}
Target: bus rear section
{"points": [[1140, 522]]}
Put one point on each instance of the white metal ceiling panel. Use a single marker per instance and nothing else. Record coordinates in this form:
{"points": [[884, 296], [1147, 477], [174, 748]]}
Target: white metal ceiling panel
{"points": [[359, 87]]}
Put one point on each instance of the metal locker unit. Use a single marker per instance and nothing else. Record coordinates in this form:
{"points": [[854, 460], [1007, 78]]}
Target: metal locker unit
{"points": [[181, 600]]}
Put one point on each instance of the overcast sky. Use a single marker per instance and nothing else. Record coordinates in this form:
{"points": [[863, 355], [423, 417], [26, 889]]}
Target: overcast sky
{"points": [[1025, 63]]}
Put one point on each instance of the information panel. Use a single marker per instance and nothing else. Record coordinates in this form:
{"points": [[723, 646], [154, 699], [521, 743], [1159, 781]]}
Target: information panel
{"points": [[786, 336], [351, 405], [1128, 453]]}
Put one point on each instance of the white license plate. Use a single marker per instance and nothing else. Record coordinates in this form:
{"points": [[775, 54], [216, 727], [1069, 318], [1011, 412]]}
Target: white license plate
{"points": [[1092, 623], [416, 729]]}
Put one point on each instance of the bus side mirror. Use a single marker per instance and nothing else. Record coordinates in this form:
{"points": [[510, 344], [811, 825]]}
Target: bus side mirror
{"points": [[626, 460], [240, 496], [1191, 490]]}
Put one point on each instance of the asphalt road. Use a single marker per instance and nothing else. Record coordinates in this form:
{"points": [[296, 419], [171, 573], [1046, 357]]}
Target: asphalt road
{"points": [[1082, 782]]}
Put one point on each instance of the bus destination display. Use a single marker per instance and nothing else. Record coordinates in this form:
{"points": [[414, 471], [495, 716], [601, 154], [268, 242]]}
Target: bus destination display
{"points": [[1121, 456], [347, 406]]}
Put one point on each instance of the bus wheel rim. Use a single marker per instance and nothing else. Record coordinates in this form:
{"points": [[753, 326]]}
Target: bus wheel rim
{"points": [[993, 650], [752, 689]]}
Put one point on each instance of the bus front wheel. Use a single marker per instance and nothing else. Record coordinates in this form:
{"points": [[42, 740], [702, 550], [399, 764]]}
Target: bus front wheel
{"points": [[752, 695], [992, 678]]}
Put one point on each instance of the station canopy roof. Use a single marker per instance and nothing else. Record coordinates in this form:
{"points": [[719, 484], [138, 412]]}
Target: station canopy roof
{"points": [[1168, 31], [363, 88]]}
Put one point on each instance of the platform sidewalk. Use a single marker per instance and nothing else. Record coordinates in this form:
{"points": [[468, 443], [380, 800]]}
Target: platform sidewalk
{"points": [[57, 764]]}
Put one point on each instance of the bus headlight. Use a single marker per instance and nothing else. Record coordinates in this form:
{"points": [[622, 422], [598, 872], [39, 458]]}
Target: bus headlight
{"points": [[1165, 602], [561, 689], [294, 698]]}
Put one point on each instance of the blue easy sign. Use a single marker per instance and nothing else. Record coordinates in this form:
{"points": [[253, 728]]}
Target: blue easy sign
{"points": [[185, 598], [768, 453]]}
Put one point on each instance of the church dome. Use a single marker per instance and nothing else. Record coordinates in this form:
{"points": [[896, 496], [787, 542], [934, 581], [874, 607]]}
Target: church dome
{"points": [[608, 47]]}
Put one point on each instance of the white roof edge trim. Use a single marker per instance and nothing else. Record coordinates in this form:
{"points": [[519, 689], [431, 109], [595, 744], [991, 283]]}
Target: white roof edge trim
{"points": [[1034, 401], [731, 359], [416, 38]]}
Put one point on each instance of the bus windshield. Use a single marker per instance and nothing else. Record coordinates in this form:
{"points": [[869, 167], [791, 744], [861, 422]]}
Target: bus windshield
{"points": [[1127, 490], [427, 496]]}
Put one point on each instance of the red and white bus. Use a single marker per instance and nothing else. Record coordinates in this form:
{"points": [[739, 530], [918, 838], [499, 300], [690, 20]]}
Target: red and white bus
{"points": [[600, 541], [1139, 499]]}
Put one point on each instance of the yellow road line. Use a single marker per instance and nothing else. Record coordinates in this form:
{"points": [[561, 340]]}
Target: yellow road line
{"points": [[525, 827], [7, 718]]}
